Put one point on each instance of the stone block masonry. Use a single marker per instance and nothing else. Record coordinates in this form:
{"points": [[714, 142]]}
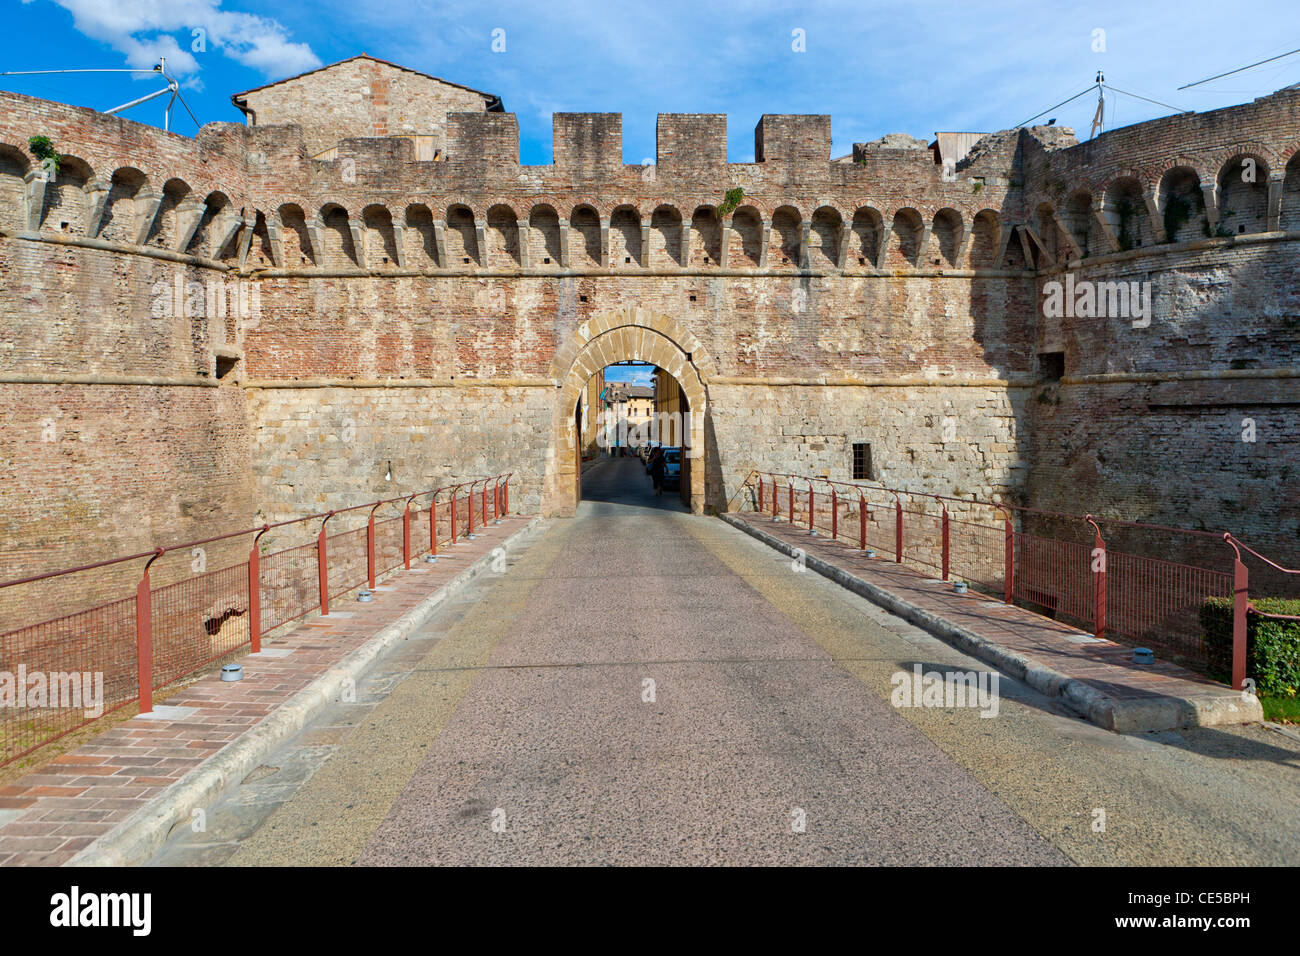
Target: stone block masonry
{"points": [[437, 314]]}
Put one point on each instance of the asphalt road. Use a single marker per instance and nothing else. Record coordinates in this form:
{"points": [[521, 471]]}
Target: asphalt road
{"points": [[646, 686]]}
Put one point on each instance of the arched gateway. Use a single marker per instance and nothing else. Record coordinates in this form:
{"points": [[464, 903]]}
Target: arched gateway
{"points": [[630, 334]]}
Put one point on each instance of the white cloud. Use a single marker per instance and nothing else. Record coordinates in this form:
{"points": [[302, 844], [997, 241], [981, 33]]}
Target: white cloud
{"points": [[143, 30]]}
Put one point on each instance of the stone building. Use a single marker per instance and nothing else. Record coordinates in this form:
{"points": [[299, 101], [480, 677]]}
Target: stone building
{"points": [[380, 280], [640, 404], [360, 98]]}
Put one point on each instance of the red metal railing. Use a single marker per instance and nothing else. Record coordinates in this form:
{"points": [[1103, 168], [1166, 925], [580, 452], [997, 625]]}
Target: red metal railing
{"points": [[1241, 606], [1054, 563], [134, 646]]}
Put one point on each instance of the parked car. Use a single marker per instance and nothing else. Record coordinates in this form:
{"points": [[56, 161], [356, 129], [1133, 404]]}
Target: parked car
{"points": [[672, 467]]}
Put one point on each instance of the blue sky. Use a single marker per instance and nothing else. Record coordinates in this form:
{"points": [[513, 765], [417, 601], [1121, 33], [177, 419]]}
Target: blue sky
{"points": [[913, 67], [636, 374]]}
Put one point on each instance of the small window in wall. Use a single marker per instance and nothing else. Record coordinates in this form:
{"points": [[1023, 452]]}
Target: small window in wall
{"points": [[1052, 365], [862, 461]]}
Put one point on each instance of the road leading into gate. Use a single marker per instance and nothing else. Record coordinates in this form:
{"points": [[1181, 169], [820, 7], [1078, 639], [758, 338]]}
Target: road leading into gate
{"points": [[647, 686]]}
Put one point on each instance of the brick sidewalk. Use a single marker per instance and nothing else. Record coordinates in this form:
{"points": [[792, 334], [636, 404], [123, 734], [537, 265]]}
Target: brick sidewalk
{"points": [[1104, 666], [60, 808]]}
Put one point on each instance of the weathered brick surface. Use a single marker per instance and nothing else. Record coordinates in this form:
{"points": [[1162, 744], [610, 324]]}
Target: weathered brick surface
{"points": [[443, 315]]}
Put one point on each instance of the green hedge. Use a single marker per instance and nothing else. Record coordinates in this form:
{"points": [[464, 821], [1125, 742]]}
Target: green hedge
{"points": [[1272, 646]]}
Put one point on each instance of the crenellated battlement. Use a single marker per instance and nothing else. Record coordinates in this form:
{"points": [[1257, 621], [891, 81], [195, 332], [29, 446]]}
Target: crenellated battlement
{"points": [[1030, 199], [419, 284]]}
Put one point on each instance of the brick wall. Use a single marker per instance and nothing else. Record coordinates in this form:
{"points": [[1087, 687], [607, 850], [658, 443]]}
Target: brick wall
{"points": [[412, 306]]}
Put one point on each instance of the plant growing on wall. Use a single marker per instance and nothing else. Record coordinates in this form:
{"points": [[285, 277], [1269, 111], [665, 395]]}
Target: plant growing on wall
{"points": [[1177, 212], [44, 150], [730, 201], [1126, 212], [1222, 231]]}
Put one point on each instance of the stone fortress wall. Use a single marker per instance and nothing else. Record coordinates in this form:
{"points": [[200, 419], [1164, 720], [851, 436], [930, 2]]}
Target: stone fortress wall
{"points": [[431, 314]]}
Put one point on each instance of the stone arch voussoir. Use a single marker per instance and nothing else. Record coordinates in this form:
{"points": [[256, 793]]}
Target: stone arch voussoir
{"points": [[635, 334]]}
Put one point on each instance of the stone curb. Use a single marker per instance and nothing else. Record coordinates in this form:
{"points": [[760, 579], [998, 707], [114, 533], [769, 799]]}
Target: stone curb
{"points": [[1156, 713], [139, 836]]}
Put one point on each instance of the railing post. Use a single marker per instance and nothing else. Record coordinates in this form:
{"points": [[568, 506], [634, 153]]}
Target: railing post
{"points": [[469, 511], [496, 501], [812, 510], [898, 530], [406, 535], [506, 496], [323, 568], [1009, 563], [255, 593], [759, 497], [453, 513], [1098, 581], [1240, 610], [254, 602], [835, 515], [946, 551], [433, 526], [862, 521], [790, 486], [776, 506], [484, 521], [370, 549], [144, 638]]}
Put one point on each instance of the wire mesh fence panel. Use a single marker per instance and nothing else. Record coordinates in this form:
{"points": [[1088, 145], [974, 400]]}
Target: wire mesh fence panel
{"points": [[198, 621], [817, 516], [801, 512], [831, 513], [419, 533], [923, 541], [977, 554], [1158, 603], [290, 585], [458, 512], [834, 517], [787, 501], [1055, 578], [809, 505], [388, 545], [445, 521], [346, 552], [881, 527], [60, 674], [850, 521], [444, 525], [65, 673]]}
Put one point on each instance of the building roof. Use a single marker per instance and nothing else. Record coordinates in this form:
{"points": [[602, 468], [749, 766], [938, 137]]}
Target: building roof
{"points": [[494, 102]]}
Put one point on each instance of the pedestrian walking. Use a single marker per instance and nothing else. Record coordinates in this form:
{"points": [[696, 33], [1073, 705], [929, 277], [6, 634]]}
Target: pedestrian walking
{"points": [[657, 470]]}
